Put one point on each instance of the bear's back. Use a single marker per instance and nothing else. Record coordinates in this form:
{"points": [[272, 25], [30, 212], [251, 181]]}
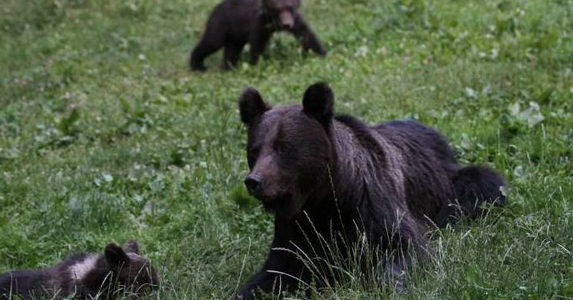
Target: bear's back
{"points": [[419, 139], [429, 165], [26, 283]]}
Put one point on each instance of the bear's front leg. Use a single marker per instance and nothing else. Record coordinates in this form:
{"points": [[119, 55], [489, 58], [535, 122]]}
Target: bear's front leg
{"points": [[232, 53], [259, 39], [259, 283], [281, 272], [267, 281], [309, 40]]}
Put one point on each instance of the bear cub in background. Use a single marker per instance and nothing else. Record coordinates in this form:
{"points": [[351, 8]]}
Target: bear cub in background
{"points": [[335, 183], [118, 271], [234, 23]]}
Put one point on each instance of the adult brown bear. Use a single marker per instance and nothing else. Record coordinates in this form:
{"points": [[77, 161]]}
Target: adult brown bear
{"points": [[334, 180], [234, 23]]}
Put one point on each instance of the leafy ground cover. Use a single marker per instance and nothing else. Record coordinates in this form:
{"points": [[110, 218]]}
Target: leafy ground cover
{"points": [[105, 135]]}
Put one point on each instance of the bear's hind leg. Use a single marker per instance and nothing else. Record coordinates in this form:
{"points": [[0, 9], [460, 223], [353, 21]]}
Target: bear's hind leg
{"points": [[475, 186], [259, 40], [207, 46]]}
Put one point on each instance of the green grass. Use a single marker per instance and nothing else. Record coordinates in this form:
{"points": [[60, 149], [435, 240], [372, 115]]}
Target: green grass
{"points": [[105, 135]]}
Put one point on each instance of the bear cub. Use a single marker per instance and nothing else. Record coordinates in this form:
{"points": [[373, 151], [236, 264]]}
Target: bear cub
{"points": [[118, 271], [335, 183], [235, 23]]}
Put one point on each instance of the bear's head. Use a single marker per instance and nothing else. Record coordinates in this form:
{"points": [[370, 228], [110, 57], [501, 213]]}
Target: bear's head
{"points": [[283, 10], [290, 149], [133, 271]]}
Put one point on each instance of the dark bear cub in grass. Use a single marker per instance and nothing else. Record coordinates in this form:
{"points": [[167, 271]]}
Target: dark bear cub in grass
{"points": [[234, 23], [335, 183], [116, 272]]}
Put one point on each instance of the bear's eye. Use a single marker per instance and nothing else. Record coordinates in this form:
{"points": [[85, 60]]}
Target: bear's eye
{"points": [[282, 148], [254, 152]]}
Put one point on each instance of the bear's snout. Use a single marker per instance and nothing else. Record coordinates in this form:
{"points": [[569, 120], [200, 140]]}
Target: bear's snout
{"points": [[253, 184], [287, 19]]}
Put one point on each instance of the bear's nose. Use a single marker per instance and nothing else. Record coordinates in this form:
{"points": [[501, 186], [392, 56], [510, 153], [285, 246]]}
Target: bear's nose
{"points": [[288, 25], [253, 184], [287, 19]]}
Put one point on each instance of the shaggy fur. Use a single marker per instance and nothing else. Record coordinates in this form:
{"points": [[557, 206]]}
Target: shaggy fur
{"points": [[84, 276], [334, 180], [235, 23]]}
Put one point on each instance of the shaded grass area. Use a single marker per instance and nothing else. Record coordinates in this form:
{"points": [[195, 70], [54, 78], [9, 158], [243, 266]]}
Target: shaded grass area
{"points": [[105, 136]]}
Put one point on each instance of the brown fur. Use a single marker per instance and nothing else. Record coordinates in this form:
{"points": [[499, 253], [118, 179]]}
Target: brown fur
{"points": [[235, 23], [118, 270], [335, 180]]}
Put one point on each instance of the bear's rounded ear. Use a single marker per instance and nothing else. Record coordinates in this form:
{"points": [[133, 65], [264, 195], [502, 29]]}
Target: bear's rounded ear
{"points": [[251, 105], [131, 247], [318, 103], [115, 256]]}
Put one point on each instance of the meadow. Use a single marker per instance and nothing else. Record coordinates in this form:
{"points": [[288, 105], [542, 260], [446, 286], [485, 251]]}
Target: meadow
{"points": [[105, 135]]}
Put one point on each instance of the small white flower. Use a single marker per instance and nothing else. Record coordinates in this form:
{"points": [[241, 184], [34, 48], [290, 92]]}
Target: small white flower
{"points": [[107, 177], [494, 54], [466, 143], [518, 171], [486, 90], [361, 51], [382, 51], [514, 109], [532, 115], [504, 190], [470, 93]]}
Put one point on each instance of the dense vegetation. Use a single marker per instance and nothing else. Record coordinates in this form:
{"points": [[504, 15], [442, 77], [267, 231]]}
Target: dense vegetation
{"points": [[105, 135]]}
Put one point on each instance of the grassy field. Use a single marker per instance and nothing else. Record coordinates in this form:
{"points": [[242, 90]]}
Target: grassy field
{"points": [[105, 135]]}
